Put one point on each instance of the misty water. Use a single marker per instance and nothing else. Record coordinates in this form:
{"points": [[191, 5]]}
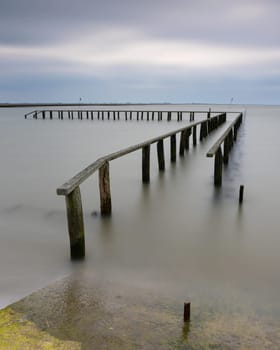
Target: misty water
{"points": [[178, 234]]}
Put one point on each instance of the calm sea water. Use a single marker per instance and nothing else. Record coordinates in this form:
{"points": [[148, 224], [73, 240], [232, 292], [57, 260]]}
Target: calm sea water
{"points": [[178, 234]]}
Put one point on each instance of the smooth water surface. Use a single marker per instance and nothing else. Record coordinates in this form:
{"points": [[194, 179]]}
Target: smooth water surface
{"points": [[179, 234]]}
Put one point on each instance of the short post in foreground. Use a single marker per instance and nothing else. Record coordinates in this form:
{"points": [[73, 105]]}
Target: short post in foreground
{"points": [[75, 224]]}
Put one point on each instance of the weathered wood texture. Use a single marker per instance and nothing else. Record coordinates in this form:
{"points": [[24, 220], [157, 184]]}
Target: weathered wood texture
{"points": [[75, 224], [104, 190], [160, 154], [218, 168], [146, 164]]}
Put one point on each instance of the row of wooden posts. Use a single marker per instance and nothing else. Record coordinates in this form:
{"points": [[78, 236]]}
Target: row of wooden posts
{"points": [[113, 115], [227, 139], [71, 189]]}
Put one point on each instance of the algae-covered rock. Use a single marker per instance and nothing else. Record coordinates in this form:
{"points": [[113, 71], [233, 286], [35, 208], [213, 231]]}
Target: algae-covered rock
{"points": [[17, 333]]}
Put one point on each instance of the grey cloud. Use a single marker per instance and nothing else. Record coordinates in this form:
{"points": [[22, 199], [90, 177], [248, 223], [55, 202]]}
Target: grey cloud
{"points": [[220, 21]]}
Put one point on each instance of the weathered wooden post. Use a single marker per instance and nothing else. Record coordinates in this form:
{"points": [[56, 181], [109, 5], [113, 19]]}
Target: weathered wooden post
{"points": [[182, 143], [241, 191], [187, 311], [218, 168], [153, 115], [194, 135], [178, 116], [125, 115], [160, 153], [44, 114], [104, 190], [130, 115], [114, 115], [142, 115], [137, 115], [75, 224], [226, 150], [173, 148], [146, 164], [103, 115], [187, 139], [51, 115]]}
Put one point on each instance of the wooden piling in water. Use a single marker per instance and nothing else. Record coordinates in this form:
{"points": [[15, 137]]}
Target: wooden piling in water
{"points": [[104, 190], [226, 150], [194, 134], [187, 311], [173, 148], [146, 164], [218, 168], [241, 191], [187, 139], [75, 224], [182, 143], [160, 153]]}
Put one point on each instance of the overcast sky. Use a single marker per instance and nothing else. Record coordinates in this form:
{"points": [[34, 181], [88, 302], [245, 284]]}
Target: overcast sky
{"points": [[140, 51]]}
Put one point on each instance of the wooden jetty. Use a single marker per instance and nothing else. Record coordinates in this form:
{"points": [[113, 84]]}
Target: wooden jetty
{"points": [[71, 189], [101, 114], [227, 139]]}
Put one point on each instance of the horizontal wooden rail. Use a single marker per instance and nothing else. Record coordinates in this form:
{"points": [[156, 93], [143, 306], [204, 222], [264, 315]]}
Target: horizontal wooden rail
{"points": [[71, 189], [227, 139]]}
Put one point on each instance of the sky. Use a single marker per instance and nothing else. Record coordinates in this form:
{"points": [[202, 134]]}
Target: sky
{"points": [[148, 51]]}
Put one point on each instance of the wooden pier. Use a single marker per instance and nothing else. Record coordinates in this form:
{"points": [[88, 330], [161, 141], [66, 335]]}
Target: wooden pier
{"points": [[227, 139], [71, 189], [127, 115]]}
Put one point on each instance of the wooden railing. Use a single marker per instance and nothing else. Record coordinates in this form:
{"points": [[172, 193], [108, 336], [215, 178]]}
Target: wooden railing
{"points": [[227, 139], [71, 189], [118, 114]]}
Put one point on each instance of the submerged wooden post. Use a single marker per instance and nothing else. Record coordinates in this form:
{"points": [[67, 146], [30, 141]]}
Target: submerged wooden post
{"points": [[194, 135], [160, 153], [241, 191], [146, 164], [182, 143], [75, 224], [173, 148], [187, 311], [218, 168], [226, 150], [187, 139], [104, 190]]}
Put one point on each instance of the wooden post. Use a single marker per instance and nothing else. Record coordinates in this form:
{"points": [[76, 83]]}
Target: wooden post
{"points": [[153, 115], [194, 135], [241, 191], [142, 115], [137, 115], [43, 114], [160, 153], [187, 311], [75, 224], [104, 190], [130, 115], [50, 114], [178, 116], [125, 115], [218, 168], [146, 164], [187, 139], [173, 148], [226, 150], [182, 143]]}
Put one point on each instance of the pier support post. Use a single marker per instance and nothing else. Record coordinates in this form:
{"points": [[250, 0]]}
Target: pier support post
{"points": [[160, 153], [173, 148], [226, 150], [104, 190], [75, 224], [146, 164], [218, 168], [187, 139], [194, 135], [182, 143]]}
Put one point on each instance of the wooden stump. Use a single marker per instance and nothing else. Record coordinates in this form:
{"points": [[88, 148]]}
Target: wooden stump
{"points": [[146, 164], [173, 148], [75, 224], [160, 153], [194, 135], [104, 190], [218, 168]]}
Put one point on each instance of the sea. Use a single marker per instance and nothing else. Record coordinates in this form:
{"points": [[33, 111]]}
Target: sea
{"points": [[179, 234]]}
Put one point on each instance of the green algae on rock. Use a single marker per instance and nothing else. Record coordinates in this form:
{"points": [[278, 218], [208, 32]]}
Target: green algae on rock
{"points": [[18, 333]]}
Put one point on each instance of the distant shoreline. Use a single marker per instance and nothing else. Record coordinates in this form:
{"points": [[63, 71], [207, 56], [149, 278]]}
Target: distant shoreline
{"points": [[62, 104]]}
